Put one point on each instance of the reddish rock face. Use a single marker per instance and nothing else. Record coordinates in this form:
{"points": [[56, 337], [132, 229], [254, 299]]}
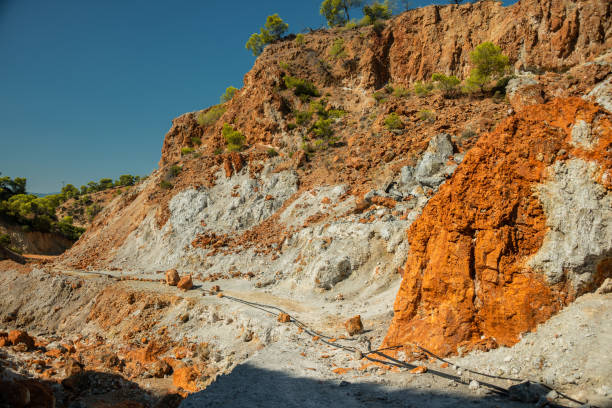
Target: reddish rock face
{"points": [[466, 282], [20, 337], [535, 34], [185, 283], [172, 277]]}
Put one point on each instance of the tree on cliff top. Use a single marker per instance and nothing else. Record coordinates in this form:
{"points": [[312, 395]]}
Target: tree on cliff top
{"points": [[336, 12], [274, 28]]}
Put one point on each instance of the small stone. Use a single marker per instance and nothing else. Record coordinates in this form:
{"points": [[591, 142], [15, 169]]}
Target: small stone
{"points": [[551, 396], [172, 277], [185, 283], [419, 370], [283, 318], [474, 385], [247, 336], [20, 337], [353, 325]]}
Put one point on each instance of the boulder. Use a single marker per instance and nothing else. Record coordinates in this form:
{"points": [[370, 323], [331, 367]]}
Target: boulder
{"points": [[431, 170], [185, 283], [172, 277], [353, 325], [524, 91], [329, 271], [283, 318]]}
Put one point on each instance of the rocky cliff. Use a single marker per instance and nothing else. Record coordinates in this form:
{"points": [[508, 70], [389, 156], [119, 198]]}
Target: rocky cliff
{"points": [[515, 208]]}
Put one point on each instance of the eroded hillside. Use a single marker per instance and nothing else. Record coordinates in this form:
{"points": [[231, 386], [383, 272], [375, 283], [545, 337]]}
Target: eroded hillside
{"points": [[463, 225]]}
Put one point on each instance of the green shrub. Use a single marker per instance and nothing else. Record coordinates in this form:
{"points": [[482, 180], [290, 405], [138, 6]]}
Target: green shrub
{"points": [[423, 89], [299, 39], [291, 126], [187, 150], [93, 210], [375, 12], [379, 96], [233, 138], [400, 92], [283, 65], [166, 185], [448, 85], [426, 115], [336, 113], [272, 152], [307, 148], [126, 180], [196, 141], [68, 230], [229, 93], [378, 26], [274, 28], [336, 12], [319, 107], [218, 151], [175, 170], [337, 50], [393, 121], [5, 240], [303, 118], [211, 116], [301, 86], [322, 127], [350, 25]]}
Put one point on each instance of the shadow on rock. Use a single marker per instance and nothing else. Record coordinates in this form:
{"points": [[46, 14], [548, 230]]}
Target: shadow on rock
{"points": [[250, 386], [82, 390]]}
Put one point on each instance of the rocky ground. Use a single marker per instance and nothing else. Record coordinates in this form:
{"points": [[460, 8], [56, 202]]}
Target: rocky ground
{"points": [[177, 342]]}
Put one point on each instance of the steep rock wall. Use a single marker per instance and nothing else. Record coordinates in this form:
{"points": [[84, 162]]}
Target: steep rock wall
{"points": [[508, 240], [537, 35]]}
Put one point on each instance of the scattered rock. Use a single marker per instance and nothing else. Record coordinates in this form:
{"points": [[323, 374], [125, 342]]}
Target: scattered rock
{"points": [[474, 385], [20, 337], [353, 325], [185, 283], [419, 370], [527, 392], [172, 277], [284, 318]]}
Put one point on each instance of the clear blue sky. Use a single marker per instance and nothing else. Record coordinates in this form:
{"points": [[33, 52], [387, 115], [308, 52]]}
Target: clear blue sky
{"points": [[88, 88]]}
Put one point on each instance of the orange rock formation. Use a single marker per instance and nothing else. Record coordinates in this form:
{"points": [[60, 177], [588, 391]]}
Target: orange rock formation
{"points": [[466, 282]]}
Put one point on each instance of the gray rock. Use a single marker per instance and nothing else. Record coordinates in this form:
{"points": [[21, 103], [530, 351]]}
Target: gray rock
{"points": [[527, 392], [602, 94], [431, 168], [582, 135], [327, 272], [579, 216]]}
